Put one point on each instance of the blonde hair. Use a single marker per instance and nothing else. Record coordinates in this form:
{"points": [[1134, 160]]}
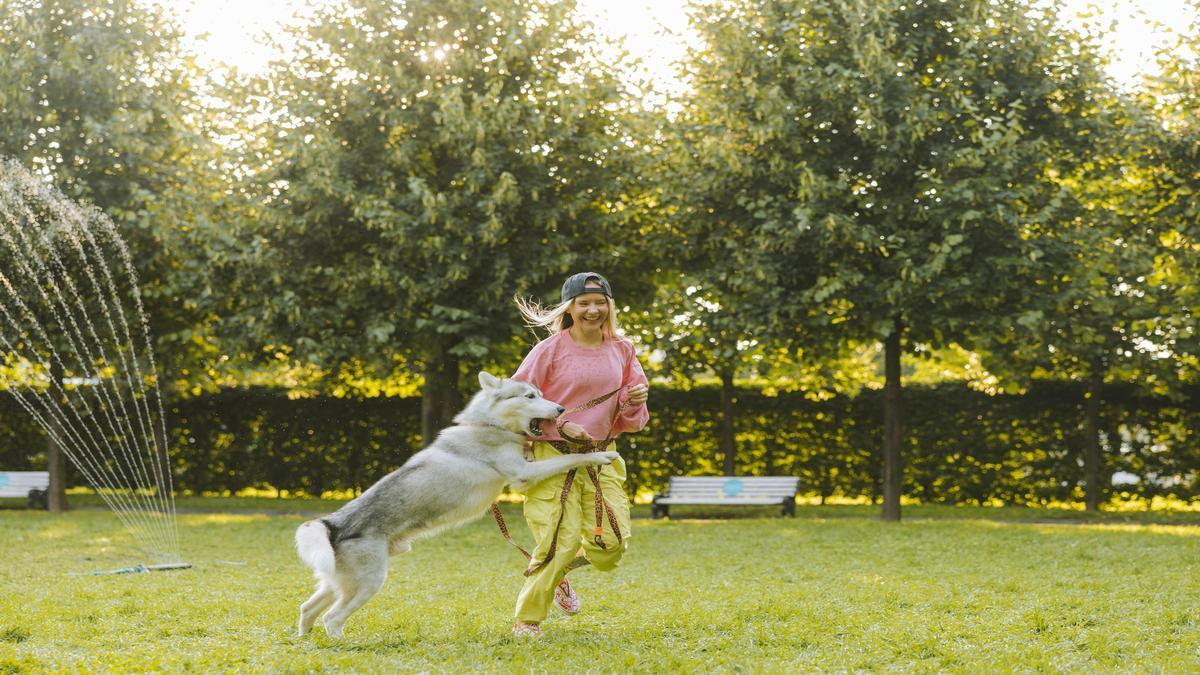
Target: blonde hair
{"points": [[558, 318]]}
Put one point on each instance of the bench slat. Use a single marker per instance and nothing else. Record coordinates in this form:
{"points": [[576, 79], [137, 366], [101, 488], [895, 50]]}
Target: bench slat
{"points": [[717, 486], [709, 484], [744, 479], [744, 486], [709, 495], [23, 480], [731, 501]]}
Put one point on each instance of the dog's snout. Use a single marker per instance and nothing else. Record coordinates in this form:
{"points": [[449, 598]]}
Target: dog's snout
{"points": [[561, 409]]}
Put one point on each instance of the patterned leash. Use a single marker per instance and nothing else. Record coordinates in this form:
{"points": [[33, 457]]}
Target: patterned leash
{"points": [[603, 508]]}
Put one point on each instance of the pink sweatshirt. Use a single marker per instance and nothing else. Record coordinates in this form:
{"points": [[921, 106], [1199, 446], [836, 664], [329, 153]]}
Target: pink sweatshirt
{"points": [[572, 375]]}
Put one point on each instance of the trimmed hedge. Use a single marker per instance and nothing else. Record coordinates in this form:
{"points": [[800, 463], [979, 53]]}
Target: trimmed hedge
{"points": [[962, 446]]}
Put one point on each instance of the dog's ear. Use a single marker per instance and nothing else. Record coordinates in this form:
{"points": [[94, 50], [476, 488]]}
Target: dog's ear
{"points": [[487, 380]]}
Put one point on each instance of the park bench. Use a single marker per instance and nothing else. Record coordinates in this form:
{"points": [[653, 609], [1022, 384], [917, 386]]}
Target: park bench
{"points": [[728, 491], [32, 485]]}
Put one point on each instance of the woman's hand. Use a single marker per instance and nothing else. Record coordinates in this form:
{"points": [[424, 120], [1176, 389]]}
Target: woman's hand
{"points": [[575, 432], [638, 393]]}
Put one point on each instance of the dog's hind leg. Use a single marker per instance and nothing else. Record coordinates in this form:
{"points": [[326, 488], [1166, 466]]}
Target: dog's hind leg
{"points": [[312, 608], [362, 569]]}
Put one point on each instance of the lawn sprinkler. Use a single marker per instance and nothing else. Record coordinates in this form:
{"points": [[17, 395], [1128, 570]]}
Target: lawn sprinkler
{"points": [[140, 568]]}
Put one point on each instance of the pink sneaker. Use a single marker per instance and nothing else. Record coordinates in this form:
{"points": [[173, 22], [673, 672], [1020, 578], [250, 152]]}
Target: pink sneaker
{"points": [[530, 630], [565, 598]]}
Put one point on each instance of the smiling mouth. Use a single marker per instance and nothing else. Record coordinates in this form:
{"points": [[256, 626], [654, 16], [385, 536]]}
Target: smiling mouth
{"points": [[535, 426]]}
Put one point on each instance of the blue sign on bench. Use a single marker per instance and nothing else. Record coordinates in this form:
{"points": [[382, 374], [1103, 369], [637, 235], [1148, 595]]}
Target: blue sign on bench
{"points": [[3, 479], [732, 487]]}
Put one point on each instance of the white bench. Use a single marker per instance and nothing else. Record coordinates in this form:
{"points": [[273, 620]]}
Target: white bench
{"points": [[728, 491], [32, 485]]}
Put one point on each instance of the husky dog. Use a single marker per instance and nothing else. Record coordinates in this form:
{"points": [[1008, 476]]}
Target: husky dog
{"points": [[452, 481]]}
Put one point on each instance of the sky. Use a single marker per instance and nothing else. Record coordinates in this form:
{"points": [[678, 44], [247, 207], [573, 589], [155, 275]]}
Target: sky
{"points": [[654, 30]]}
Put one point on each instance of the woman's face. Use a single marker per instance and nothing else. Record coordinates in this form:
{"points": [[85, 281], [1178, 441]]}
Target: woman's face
{"points": [[590, 310]]}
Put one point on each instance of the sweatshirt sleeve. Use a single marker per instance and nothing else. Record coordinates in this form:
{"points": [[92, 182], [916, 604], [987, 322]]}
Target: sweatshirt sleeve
{"points": [[536, 367], [635, 417]]}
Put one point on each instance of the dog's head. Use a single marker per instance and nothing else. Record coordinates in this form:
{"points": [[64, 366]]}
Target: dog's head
{"points": [[509, 404]]}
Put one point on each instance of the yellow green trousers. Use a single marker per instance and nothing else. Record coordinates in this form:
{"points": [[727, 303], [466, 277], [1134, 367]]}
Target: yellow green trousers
{"points": [[578, 525]]}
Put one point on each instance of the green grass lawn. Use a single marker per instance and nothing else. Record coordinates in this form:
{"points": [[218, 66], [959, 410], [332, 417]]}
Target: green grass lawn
{"points": [[833, 589]]}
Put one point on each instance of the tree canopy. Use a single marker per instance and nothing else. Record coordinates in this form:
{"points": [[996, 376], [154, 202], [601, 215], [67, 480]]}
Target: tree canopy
{"points": [[426, 163], [840, 181]]}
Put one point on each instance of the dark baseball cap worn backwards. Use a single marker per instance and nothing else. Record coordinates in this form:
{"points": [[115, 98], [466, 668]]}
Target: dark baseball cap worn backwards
{"points": [[575, 285]]}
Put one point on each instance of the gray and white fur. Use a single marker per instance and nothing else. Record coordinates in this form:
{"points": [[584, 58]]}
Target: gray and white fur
{"points": [[452, 481]]}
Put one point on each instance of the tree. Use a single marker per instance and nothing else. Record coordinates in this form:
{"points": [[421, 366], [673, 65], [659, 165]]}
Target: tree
{"points": [[895, 154], [99, 97], [425, 162], [1173, 167], [723, 302], [1103, 311]]}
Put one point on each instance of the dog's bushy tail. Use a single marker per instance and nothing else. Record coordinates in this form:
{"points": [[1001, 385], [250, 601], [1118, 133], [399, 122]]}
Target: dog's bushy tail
{"points": [[312, 543]]}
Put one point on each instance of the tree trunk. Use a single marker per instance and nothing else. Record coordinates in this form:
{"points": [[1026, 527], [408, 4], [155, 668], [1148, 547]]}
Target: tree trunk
{"points": [[56, 497], [1091, 445], [892, 411], [727, 443], [440, 398]]}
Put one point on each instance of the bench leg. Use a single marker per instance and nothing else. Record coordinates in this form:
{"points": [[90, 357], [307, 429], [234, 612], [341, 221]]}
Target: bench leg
{"points": [[789, 507], [39, 499], [659, 511]]}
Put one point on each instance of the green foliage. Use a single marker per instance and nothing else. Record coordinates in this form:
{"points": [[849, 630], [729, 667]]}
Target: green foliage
{"points": [[105, 122], [1172, 165], [258, 438], [425, 162], [99, 96], [885, 159], [1106, 305], [963, 446]]}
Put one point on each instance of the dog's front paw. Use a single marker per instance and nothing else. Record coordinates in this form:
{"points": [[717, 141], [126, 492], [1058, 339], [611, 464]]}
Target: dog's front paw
{"points": [[602, 458]]}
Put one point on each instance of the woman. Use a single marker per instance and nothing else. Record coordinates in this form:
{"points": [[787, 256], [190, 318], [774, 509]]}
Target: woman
{"points": [[583, 359]]}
